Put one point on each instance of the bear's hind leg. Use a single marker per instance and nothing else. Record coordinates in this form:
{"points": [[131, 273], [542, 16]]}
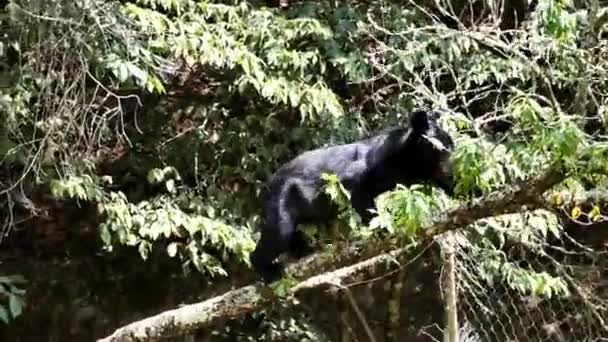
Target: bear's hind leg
{"points": [[275, 239]]}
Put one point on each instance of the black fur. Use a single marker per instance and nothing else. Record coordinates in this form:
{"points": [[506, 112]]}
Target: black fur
{"points": [[366, 168]]}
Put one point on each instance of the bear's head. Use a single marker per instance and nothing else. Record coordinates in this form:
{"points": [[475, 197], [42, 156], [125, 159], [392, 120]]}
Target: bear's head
{"points": [[430, 150]]}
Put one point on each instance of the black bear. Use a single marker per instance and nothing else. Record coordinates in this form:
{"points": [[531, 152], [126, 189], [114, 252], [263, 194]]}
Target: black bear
{"points": [[416, 153]]}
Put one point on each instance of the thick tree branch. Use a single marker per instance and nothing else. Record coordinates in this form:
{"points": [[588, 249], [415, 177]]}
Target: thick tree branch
{"points": [[237, 303], [240, 302], [232, 304], [524, 196]]}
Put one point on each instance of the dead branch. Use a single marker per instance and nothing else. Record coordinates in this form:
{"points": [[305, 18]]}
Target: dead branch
{"points": [[237, 303]]}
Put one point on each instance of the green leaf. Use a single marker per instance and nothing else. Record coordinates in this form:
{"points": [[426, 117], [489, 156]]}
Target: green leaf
{"points": [[4, 317], [16, 305], [122, 72], [13, 279], [144, 249], [576, 212], [140, 75], [595, 213], [170, 185], [106, 237], [172, 249], [155, 176]]}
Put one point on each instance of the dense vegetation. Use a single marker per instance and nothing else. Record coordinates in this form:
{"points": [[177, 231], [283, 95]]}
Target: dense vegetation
{"points": [[161, 120]]}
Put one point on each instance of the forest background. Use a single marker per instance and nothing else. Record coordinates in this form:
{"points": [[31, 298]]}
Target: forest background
{"points": [[136, 137]]}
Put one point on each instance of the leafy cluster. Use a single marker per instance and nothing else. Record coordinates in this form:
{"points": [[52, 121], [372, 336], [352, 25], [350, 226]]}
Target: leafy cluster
{"points": [[12, 297]]}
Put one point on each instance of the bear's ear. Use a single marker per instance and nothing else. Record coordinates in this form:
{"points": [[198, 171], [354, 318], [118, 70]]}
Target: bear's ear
{"points": [[419, 121]]}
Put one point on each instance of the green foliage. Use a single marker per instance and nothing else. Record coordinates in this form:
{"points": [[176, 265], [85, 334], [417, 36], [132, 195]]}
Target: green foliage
{"points": [[241, 89], [80, 187], [479, 165], [529, 228], [204, 241], [185, 218], [558, 22], [491, 239], [406, 210], [341, 197], [264, 48], [289, 328], [283, 286], [284, 324], [494, 267], [12, 297]]}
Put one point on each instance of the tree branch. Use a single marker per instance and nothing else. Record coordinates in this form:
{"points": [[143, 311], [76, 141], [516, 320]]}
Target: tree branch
{"points": [[237, 303]]}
